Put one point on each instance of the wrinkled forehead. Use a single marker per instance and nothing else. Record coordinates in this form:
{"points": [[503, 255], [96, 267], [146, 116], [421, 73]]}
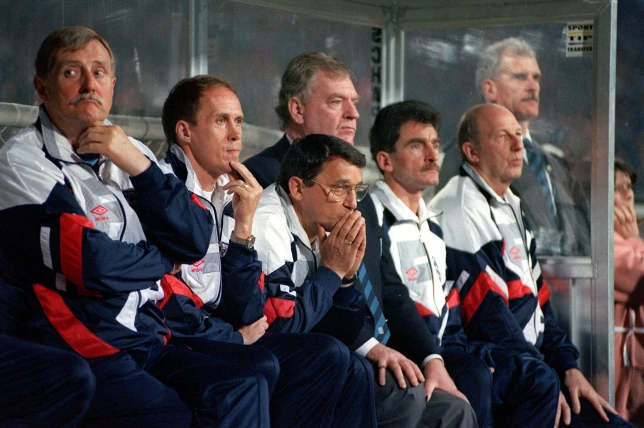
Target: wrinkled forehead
{"points": [[517, 63], [67, 53], [339, 170]]}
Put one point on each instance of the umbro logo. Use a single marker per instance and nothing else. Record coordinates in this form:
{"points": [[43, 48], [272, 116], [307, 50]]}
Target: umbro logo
{"points": [[411, 274], [100, 211], [515, 251], [196, 266]]}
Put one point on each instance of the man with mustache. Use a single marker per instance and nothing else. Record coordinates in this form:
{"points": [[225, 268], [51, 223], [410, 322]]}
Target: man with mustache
{"points": [[505, 303], [74, 244], [317, 97], [508, 74], [408, 275]]}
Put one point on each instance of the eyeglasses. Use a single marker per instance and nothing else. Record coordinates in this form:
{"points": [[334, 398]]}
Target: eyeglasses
{"points": [[339, 192]]}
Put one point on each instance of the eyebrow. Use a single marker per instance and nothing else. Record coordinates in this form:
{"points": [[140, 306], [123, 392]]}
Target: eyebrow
{"points": [[423, 140], [339, 95]]}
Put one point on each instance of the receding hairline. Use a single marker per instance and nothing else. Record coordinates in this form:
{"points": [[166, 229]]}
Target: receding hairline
{"points": [[335, 75]]}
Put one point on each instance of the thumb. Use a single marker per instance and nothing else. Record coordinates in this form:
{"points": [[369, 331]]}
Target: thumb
{"points": [[321, 234]]}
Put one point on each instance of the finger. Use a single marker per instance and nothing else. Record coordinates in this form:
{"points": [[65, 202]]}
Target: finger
{"points": [[236, 184], [412, 375], [382, 373], [321, 235], [243, 173], [398, 374], [429, 389], [565, 412], [574, 401], [354, 232], [335, 231], [460, 395], [597, 404], [558, 414]]}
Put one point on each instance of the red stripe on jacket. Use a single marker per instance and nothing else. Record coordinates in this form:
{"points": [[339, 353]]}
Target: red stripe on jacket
{"points": [[70, 328], [71, 250], [544, 294], [423, 310], [453, 298], [194, 198], [483, 285], [173, 285], [517, 289], [278, 308]]}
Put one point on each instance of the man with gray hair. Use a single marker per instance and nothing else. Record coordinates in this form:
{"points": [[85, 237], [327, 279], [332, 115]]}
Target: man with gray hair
{"points": [[508, 74], [317, 97]]}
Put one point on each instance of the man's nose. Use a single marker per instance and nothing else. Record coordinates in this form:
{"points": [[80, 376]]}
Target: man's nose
{"points": [[88, 81], [234, 131], [351, 200], [517, 142], [351, 110], [431, 153], [533, 84]]}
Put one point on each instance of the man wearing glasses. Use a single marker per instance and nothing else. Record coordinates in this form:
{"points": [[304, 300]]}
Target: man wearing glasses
{"points": [[309, 237]]}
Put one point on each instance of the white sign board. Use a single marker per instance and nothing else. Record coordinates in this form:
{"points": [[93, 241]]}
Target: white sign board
{"points": [[579, 39]]}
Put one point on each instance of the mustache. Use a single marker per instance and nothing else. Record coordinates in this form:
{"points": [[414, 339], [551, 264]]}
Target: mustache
{"points": [[531, 97], [430, 166], [82, 97]]}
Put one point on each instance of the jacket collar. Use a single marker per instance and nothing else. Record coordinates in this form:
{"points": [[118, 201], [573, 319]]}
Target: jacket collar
{"points": [[292, 219], [56, 144], [183, 169], [401, 212], [508, 199]]}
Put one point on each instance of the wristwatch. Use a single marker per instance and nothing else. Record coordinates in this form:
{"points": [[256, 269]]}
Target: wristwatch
{"points": [[245, 242]]}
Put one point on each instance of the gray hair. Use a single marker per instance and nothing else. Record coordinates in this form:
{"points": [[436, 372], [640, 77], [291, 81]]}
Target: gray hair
{"points": [[299, 77], [488, 65]]}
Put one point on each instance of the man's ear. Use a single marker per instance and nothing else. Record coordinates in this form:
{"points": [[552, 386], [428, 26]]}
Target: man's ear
{"points": [[296, 110], [488, 87], [182, 131], [384, 162], [295, 187], [471, 153], [41, 88]]}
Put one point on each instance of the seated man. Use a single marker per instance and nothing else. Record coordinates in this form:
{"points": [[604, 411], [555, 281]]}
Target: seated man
{"points": [[74, 243], [421, 309], [505, 304], [319, 384], [317, 96], [311, 242]]}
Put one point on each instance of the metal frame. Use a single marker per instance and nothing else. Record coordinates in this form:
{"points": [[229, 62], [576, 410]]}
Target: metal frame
{"points": [[397, 16], [198, 36]]}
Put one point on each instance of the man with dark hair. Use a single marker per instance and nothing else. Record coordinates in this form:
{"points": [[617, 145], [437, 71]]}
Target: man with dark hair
{"points": [[318, 384], [506, 309], [555, 205], [75, 245], [421, 309], [306, 271], [311, 241], [317, 96]]}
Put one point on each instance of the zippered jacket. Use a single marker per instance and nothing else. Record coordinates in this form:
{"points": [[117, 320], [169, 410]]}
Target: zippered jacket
{"points": [[418, 252], [224, 290], [300, 292], [491, 258], [72, 238]]}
